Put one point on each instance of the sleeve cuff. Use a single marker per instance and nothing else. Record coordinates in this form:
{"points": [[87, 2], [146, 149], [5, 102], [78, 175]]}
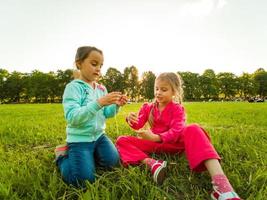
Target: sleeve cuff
{"points": [[163, 138]]}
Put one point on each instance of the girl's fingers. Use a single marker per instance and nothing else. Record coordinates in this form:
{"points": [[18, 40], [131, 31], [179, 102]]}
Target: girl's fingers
{"points": [[140, 131], [117, 96], [134, 120], [115, 93], [133, 115]]}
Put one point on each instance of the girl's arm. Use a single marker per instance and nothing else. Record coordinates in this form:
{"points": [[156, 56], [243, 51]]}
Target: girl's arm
{"points": [[76, 114], [142, 117], [111, 110], [177, 125]]}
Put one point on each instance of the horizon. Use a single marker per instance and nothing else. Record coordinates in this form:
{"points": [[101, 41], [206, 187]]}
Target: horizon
{"points": [[139, 72]]}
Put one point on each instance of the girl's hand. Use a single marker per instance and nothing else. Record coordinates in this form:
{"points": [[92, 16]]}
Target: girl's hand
{"points": [[110, 98], [132, 118], [148, 135], [122, 101]]}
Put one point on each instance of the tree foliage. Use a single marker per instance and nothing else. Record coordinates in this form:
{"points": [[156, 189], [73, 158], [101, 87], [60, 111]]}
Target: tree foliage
{"points": [[227, 84], [49, 87], [130, 82], [147, 85], [260, 77], [191, 85], [112, 80], [209, 85]]}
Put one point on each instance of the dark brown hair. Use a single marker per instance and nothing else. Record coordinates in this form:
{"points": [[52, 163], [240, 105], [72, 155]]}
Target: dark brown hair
{"points": [[83, 52]]}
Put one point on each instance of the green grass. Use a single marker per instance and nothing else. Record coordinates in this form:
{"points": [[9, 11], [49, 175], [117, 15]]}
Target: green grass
{"points": [[29, 133]]}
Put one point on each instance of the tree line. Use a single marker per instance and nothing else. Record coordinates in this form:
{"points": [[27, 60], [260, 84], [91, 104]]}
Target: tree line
{"points": [[39, 87]]}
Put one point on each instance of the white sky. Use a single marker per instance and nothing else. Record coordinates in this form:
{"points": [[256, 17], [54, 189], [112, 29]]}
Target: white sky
{"points": [[157, 35]]}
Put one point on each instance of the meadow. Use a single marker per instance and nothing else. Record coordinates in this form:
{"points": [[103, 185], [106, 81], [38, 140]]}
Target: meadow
{"points": [[29, 133]]}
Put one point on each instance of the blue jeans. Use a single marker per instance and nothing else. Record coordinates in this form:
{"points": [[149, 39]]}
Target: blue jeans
{"points": [[83, 157]]}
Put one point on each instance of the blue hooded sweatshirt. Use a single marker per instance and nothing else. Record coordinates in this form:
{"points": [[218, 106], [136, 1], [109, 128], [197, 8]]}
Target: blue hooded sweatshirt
{"points": [[85, 117]]}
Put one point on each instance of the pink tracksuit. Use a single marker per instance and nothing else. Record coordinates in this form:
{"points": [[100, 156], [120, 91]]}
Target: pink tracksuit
{"points": [[176, 137]]}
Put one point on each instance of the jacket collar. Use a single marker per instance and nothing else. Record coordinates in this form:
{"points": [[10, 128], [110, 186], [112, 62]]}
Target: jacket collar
{"points": [[97, 86]]}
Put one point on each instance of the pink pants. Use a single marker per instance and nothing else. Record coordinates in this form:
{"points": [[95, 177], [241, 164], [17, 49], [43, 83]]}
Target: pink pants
{"points": [[195, 142]]}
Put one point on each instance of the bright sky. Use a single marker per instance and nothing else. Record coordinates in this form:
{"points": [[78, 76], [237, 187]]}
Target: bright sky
{"points": [[157, 35]]}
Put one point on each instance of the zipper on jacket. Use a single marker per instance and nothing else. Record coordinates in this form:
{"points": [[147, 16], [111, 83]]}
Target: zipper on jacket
{"points": [[96, 117]]}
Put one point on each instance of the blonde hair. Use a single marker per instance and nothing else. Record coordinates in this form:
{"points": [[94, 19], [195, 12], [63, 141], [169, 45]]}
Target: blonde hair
{"points": [[176, 84]]}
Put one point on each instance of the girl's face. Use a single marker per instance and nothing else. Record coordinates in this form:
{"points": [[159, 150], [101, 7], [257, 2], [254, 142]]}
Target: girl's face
{"points": [[163, 92], [90, 67]]}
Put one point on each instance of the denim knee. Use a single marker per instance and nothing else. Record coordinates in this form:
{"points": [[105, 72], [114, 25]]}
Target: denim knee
{"points": [[113, 160], [75, 170], [79, 178]]}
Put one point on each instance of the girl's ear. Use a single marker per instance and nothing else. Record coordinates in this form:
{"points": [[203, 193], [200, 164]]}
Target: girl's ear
{"points": [[78, 64]]}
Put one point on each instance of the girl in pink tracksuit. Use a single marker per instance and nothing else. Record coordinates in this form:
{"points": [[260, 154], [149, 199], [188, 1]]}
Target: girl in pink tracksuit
{"points": [[170, 134]]}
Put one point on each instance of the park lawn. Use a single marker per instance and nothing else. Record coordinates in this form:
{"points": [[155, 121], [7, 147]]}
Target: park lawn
{"points": [[29, 133]]}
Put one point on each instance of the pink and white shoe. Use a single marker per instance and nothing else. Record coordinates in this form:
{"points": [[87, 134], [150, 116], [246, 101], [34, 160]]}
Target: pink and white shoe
{"points": [[216, 195], [158, 170], [61, 151]]}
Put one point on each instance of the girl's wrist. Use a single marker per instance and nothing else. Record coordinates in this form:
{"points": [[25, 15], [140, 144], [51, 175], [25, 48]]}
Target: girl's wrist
{"points": [[157, 138], [100, 102]]}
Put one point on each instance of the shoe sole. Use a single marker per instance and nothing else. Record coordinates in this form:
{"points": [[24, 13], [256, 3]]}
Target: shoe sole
{"points": [[164, 163], [161, 176], [161, 173]]}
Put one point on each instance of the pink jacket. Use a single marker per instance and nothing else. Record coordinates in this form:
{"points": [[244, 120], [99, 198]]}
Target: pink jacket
{"points": [[168, 124]]}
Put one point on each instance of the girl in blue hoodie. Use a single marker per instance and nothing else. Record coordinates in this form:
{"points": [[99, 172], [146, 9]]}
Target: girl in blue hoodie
{"points": [[86, 107]]}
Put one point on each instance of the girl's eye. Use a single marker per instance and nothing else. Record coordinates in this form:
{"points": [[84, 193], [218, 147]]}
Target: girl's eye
{"points": [[96, 65]]}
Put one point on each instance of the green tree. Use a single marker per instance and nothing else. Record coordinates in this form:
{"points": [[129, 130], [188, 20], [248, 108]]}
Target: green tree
{"points": [[113, 80], [62, 79], [246, 85], [147, 85], [260, 77], [191, 85], [227, 84], [209, 85], [14, 86], [3, 77], [24, 95], [130, 82], [53, 86], [39, 86]]}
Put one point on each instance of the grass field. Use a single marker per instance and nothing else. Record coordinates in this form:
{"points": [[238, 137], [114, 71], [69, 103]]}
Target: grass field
{"points": [[29, 133]]}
